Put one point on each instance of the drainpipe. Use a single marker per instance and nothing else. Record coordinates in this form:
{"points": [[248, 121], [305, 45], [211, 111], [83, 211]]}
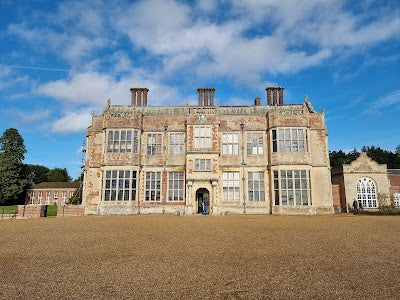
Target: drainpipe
{"points": [[243, 164]]}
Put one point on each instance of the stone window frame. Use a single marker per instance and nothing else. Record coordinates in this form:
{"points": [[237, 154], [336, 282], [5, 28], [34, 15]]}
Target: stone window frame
{"points": [[153, 185], [40, 197], [202, 137], [202, 165], [283, 139], [63, 197], [119, 185], [126, 142], [292, 187], [396, 200], [366, 189], [71, 194], [230, 143], [231, 186], [154, 143], [176, 186], [255, 141], [48, 196], [176, 143], [32, 198], [256, 186]]}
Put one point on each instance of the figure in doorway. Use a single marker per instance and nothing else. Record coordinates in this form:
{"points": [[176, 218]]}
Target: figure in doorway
{"points": [[206, 205], [355, 206]]}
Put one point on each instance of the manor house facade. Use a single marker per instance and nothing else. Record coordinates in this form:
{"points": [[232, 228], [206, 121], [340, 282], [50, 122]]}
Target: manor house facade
{"points": [[255, 159]]}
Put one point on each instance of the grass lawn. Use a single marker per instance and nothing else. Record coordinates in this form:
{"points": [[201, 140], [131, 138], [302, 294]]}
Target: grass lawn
{"points": [[52, 210], [8, 208], [225, 257]]}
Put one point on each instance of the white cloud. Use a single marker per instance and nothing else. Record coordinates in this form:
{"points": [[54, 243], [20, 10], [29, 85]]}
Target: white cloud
{"points": [[390, 100], [73, 121], [92, 88]]}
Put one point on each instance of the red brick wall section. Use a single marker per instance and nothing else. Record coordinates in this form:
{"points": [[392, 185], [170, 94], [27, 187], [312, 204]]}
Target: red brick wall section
{"points": [[336, 195], [70, 210], [30, 211], [394, 184]]}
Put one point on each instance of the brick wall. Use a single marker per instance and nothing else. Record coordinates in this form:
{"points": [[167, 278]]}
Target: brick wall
{"points": [[31, 211], [336, 196], [70, 210]]}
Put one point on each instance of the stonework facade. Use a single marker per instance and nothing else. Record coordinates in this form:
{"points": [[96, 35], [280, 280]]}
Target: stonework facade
{"points": [[256, 159]]}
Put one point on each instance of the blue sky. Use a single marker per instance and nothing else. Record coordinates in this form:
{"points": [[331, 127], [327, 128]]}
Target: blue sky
{"points": [[61, 60]]}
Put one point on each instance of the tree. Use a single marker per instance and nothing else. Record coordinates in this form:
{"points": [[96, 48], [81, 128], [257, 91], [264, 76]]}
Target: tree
{"points": [[37, 173], [12, 150], [58, 175]]}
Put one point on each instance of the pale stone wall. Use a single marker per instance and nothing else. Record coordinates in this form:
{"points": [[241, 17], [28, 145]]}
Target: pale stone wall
{"points": [[240, 120]]}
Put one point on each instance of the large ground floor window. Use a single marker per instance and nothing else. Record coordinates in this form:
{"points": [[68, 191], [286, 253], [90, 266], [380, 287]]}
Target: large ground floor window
{"points": [[292, 187], [176, 191], [366, 193], [396, 199], [256, 188], [153, 186], [119, 185], [230, 186]]}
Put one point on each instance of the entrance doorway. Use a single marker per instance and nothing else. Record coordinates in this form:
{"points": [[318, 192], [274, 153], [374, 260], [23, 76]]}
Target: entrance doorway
{"points": [[203, 201]]}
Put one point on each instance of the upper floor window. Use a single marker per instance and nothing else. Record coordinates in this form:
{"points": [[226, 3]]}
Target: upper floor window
{"points": [[289, 140], [230, 143], [119, 185], [292, 187], [176, 143], [202, 136], [120, 140], [202, 164], [230, 186], [176, 186], [366, 193], [154, 143], [255, 143]]}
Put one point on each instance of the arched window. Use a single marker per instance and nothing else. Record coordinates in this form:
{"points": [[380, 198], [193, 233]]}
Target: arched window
{"points": [[396, 198], [366, 192]]}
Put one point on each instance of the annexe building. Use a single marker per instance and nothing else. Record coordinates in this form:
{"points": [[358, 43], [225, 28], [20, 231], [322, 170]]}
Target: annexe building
{"points": [[49, 193], [256, 159]]}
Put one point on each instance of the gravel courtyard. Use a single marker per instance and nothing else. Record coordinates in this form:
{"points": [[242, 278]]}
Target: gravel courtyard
{"points": [[229, 257]]}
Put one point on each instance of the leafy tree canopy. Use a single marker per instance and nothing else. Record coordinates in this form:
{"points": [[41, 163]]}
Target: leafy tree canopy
{"points": [[12, 181], [392, 159], [58, 175]]}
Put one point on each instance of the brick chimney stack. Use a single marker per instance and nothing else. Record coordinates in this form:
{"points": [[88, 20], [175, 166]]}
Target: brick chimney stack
{"points": [[139, 96], [275, 95], [257, 101], [206, 96]]}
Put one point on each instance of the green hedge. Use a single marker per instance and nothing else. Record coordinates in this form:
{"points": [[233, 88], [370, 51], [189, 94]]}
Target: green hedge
{"points": [[52, 210]]}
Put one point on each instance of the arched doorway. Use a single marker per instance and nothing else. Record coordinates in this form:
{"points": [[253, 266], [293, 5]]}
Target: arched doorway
{"points": [[202, 199]]}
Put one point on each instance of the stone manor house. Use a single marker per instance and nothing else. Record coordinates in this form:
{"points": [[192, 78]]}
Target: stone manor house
{"points": [[257, 159]]}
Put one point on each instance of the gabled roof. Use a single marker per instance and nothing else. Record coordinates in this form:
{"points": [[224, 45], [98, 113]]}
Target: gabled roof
{"points": [[56, 185]]}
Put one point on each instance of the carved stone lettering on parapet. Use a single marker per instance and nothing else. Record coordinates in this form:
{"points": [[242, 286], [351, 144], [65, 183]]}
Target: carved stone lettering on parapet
{"points": [[290, 113], [202, 111]]}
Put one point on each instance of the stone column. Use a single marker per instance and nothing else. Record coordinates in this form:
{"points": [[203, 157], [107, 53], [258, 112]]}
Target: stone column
{"points": [[189, 206], [214, 184]]}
